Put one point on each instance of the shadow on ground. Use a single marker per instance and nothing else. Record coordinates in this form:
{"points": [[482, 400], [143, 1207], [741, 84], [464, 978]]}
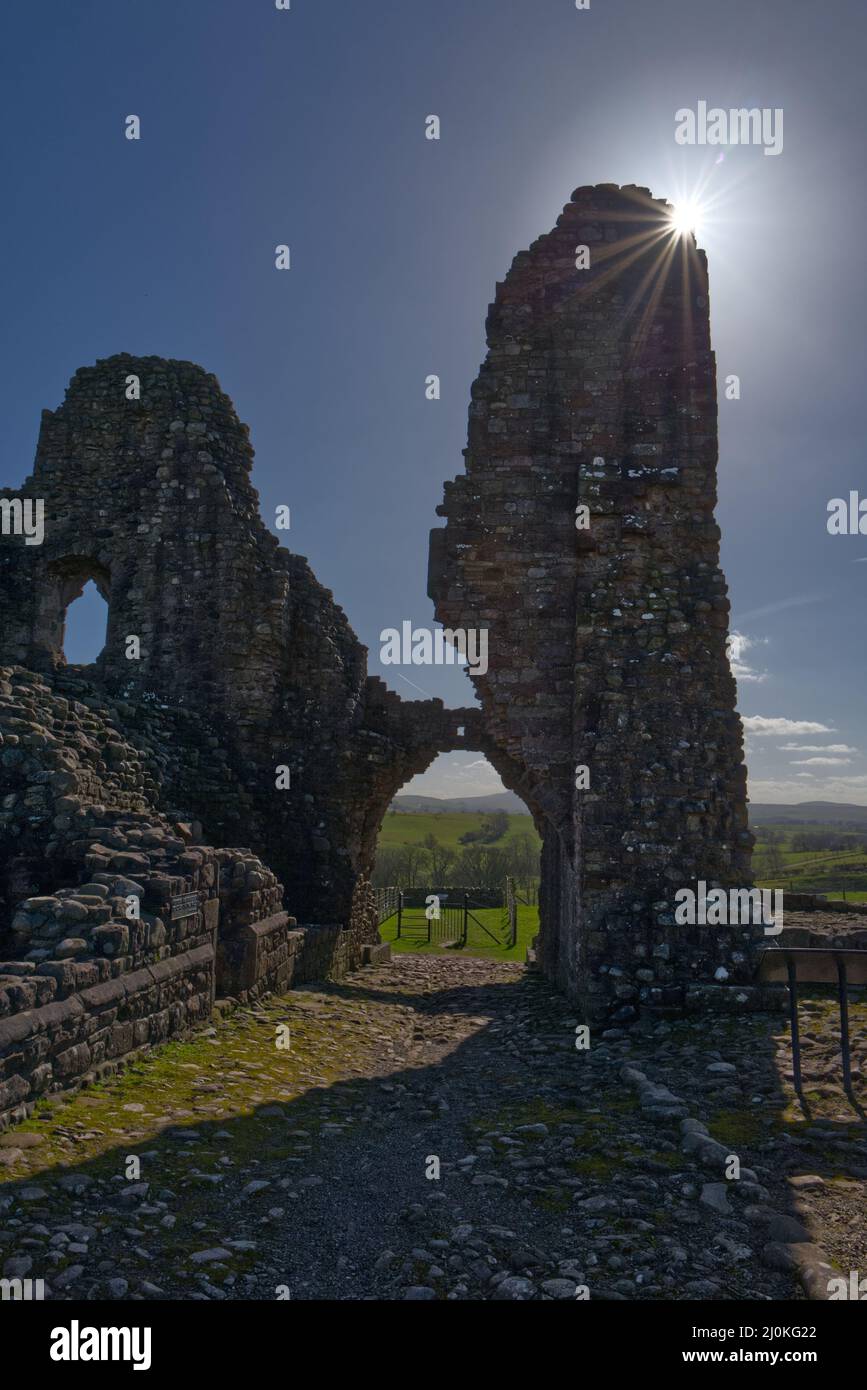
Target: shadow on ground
{"points": [[232, 1166]]}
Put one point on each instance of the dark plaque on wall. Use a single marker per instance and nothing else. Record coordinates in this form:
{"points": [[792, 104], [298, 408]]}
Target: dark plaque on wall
{"points": [[185, 906]]}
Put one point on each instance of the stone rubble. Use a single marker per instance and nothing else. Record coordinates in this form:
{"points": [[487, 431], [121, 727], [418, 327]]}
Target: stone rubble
{"points": [[307, 1169]]}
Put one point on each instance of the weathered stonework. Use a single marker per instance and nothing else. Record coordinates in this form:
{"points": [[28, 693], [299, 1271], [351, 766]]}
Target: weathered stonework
{"points": [[119, 925], [607, 649], [606, 644], [116, 780], [152, 499]]}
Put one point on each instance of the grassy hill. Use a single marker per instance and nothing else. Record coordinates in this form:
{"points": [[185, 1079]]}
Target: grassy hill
{"points": [[492, 801], [402, 829], [812, 813], [447, 827], [777, 862], [825, 855]]}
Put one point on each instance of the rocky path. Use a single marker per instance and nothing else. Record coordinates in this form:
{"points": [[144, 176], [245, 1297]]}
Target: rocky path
{"points": [[428, 1129]]}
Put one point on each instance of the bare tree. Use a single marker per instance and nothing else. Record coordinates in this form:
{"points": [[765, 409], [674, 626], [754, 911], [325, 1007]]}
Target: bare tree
{"points": [[441, 859]]}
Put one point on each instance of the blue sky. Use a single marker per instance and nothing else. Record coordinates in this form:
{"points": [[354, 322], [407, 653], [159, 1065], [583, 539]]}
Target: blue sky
{"points": [[307, 127]]}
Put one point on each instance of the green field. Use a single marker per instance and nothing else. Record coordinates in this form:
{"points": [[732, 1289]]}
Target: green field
{"points": [[403, 829], [413, 942], [835, 872], [424, 849]]}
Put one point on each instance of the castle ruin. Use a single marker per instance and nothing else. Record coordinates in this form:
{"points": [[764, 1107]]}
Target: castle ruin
{"points": [[607, 652]]}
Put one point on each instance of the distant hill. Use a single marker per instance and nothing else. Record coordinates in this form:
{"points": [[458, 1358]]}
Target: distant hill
{"points": [[429, 805], [816, 812]]}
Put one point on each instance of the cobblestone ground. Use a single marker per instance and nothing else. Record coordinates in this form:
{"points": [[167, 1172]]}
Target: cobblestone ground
{"points": [[235, 1166]]}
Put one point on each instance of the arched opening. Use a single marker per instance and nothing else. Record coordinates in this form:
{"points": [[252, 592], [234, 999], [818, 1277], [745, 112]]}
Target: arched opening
{"points": [[72, 623], [457, 863], [85, 627]]}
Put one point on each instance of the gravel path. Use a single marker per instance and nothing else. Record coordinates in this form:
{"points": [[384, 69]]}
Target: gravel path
{"points": [[427, 1129]]}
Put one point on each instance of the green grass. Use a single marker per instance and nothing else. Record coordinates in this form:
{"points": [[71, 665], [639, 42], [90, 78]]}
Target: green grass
{"points": [[404, 829], [823, 871], [857, 897], [414, 942], [223, 1087], [832, 872]]}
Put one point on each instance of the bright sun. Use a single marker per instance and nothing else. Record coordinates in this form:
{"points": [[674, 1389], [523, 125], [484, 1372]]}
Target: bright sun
{"points": [[686, 217]]}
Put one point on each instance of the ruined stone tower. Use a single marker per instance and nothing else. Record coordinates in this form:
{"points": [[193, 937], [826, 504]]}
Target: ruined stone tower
{"points": [[606, 652], [151, 498], [607, 645]]}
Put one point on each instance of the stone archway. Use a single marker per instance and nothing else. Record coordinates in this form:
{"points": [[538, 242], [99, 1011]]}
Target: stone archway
{"points": [[459, 730], [608, 643]]}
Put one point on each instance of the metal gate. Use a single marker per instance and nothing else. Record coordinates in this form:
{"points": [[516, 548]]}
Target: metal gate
{"points": [[452, 916], [435, 918]]}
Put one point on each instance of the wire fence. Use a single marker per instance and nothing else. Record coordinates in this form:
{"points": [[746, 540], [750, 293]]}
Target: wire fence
{"points": [[526, 891], [451, 916], [386, 903], [817, 891], [510, 912]]}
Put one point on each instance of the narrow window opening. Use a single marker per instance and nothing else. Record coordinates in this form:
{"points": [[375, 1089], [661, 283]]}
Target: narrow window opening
{"points": [[85, 627]]}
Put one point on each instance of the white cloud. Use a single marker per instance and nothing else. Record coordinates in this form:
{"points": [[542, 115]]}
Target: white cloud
{"points": [[738, 644], [455, 774], [479, 767], [816, 748], [820, 762], [778, 607], [759, 724], [830, 787]]}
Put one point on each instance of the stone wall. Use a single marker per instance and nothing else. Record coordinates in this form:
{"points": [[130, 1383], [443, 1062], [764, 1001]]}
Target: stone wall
{"points": [[225, 659], [135, 924], [271, 954], [606, 643], [151, 499], [83, 1034]]}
